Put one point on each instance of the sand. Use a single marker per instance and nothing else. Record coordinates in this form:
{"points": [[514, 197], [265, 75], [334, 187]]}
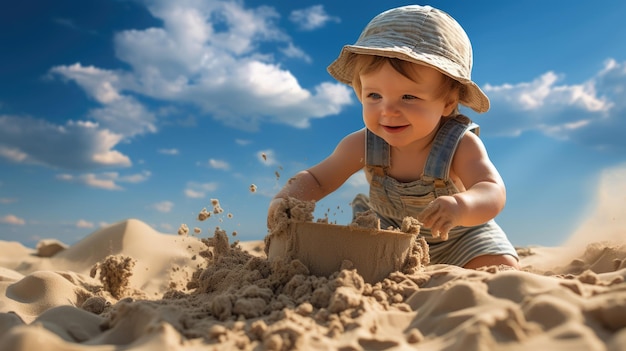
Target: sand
{"points": [[129, 287]]}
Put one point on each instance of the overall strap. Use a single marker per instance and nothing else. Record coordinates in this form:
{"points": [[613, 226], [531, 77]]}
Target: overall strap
{"points": [[445, 144], [377, 153]]}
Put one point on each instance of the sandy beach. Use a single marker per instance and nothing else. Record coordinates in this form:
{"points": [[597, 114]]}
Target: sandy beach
{"points": [[129, 287]]}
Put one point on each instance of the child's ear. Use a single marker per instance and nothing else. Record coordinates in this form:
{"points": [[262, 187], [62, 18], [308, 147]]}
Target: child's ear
{"points": [[451, 106]]}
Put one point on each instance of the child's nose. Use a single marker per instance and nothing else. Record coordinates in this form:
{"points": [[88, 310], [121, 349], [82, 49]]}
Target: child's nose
{"points": [[390, 109]]}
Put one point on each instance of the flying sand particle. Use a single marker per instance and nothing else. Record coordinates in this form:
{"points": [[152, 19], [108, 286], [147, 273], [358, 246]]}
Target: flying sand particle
{"points": [[203, 215], [183, 229], [217, 209]]}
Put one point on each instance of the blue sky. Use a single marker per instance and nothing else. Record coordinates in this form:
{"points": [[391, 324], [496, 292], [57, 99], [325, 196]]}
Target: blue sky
{"points": [[149, 109]]}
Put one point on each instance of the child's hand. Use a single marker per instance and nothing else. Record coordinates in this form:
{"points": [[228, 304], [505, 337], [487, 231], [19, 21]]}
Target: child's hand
{"points": [[441, 215]]}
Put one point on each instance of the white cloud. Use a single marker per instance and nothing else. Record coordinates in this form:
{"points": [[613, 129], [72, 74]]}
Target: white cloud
{"points": [[74, 145], [6, 201], [81, 223], [121, 114], [135, 178], [168, 151], [544, 92], [311, 18], [163, 206], [101, 181], [126, 117], [218, 164], [207, 55], [194, 194], [105, 180], [243, 142], [100, 84], [13, 154], [199, 190], [590, 112], [12, 219], [295, 52]]}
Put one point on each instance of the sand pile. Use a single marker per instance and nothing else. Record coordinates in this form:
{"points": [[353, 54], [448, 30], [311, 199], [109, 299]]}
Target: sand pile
{"points": [[128, 287]]}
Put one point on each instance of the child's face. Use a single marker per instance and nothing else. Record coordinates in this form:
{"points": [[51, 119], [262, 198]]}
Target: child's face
{"points": [[400, 110]]}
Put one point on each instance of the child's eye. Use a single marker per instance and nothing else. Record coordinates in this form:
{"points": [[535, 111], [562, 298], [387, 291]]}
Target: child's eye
{"points": [[374, 96], [409, 97]]}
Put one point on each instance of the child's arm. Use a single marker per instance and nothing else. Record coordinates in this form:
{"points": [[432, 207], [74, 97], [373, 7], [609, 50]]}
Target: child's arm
{"points": [[484, 196], [328, 175]]}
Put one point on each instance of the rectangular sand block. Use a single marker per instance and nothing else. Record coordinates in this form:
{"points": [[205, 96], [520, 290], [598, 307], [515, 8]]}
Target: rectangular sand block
{"points": [[323, 247]]}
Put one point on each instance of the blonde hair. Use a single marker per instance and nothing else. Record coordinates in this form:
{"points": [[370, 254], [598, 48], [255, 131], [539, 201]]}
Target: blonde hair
{"points": [[364, 64]]}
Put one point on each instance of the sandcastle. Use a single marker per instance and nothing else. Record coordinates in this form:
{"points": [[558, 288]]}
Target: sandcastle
{"points": [[326, 248]]}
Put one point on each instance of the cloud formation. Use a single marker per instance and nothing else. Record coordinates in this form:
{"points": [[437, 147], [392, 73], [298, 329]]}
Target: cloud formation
{"points": [[312, 18], [81, 223], [197, 190], [169, 151], [225, 60], [219, 164], [12, 220], [105, 180], [163, 206], [591, 112], [206, 56], [76, 145]]}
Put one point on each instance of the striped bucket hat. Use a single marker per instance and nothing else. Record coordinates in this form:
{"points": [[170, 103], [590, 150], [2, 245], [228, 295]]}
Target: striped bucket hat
{"points": [[422, 35]]}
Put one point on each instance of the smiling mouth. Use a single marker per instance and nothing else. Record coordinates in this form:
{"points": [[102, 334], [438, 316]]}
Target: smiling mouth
{"points": [[394, 129]]}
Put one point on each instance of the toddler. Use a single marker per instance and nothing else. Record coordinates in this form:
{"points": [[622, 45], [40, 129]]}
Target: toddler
{"points": [[410, 69]]}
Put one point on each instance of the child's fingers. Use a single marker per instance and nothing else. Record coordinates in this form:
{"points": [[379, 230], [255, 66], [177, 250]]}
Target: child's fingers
{"points": [[441, 228], [427, 216], [445, 230]]}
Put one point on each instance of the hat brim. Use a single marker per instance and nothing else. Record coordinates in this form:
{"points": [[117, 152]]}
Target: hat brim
{"points": [[342, 69]]}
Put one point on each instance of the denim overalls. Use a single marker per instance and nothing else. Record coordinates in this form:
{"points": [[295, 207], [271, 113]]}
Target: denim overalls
{"points": [[392, 200]]}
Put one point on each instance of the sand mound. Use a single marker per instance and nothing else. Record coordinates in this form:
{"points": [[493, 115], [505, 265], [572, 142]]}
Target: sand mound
{"points": [[183, 293]]}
